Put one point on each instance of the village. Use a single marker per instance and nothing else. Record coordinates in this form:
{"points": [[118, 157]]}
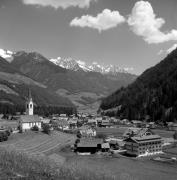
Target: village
{"points": [[95, 134]]}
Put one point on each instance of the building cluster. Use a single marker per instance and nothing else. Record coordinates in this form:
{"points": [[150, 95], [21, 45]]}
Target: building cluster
{"points": [[134, 142], [137, 140]]}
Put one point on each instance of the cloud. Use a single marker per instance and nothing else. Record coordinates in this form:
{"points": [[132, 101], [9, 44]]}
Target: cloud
{"points": [[106, 20], [144, 22], [60, 3]]}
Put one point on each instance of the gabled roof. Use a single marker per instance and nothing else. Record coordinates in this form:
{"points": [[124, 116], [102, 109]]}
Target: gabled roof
{"points": [[105, 146], [143, 139], [89, 142], [136, 132], [29, 118]]}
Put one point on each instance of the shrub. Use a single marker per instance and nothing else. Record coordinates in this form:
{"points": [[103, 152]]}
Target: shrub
{"points": [[46, 128], [101, 136], [3, 136], [8, 132], [35, 128]]}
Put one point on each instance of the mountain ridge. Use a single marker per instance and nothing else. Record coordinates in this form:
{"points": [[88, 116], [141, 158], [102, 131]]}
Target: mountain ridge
{"points": [[153, 94], [83, 88]]}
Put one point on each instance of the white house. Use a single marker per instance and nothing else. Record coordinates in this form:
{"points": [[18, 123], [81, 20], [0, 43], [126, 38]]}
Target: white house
{"points": [[29, 121]]}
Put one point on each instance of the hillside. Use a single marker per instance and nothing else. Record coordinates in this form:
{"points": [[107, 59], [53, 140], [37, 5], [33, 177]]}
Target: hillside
{"points": [[14, 87], [83, 88], [15, 165], [153, 94]]}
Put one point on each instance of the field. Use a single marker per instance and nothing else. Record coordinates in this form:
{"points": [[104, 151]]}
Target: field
{"points": [[123, 167], [37, 143], [118, 132]]}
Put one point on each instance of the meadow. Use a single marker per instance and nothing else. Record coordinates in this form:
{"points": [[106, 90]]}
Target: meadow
{"points": [[123, 167], [40, 156]]}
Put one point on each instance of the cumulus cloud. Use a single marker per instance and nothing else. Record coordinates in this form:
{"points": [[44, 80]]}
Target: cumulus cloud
{"points": [[106, 20], [144, 22], [60, 3]]}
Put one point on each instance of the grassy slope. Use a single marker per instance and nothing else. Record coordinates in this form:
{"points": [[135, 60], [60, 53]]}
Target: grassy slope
{"points": [[14, 165]]}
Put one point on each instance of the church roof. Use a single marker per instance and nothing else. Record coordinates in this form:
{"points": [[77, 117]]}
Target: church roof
{"points": [[29, 118]]}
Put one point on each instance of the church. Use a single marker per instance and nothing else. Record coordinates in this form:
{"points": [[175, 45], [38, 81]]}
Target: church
{"points": [[29, 120]]}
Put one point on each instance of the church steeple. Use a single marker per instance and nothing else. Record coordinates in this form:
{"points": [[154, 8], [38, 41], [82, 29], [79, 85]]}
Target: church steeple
{"points": [[29, 104]]}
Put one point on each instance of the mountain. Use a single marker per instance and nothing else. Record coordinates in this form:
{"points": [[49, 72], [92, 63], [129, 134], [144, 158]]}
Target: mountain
{"points": [[70, 79], [14, 87], [82, 84], [152, 95], [76, 65]]}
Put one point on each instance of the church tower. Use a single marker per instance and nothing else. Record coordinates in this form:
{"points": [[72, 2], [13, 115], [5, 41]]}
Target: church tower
{"points": [[29, 105]]}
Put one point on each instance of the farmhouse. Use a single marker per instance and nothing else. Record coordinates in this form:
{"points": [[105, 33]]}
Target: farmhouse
{"points": [[143, 146], [92, 122], [137, 132], [89, 145], [172, 126], [105, 123], [87, 131]]}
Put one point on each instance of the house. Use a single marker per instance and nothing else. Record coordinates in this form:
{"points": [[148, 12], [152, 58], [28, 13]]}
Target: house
{"points": [[151, 125], [87, 145], [172, 126], [72, 124], [9, 124], [63, 117], [105, 123], [28, 121], [45, 120], [144, 145], [137, 123], [105, 147], [63, 124], [137, 132], [92, 122], [87, 131]]}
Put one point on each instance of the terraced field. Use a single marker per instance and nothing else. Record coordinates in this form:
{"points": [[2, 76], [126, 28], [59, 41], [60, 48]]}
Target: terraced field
{"points": [[39, 144]]}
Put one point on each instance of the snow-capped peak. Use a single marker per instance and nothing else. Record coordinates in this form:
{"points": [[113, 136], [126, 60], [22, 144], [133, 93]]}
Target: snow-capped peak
{"points": [[6, 54], [75, 65]]}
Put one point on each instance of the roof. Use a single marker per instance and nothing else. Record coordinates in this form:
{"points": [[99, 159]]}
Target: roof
{"points": [[136, 131], [105, 121], [29, 118], [92, 121], [89, 142], [62, 122], [105, 146], [146, 138], [72, 122]]}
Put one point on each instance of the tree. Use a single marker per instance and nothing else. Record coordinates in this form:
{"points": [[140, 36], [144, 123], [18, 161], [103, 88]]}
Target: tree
{"points": [[79, 134], [46, 128], [101, 136]]}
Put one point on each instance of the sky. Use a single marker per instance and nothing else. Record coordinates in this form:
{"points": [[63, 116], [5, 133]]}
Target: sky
{"points": [[126, 33]]}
